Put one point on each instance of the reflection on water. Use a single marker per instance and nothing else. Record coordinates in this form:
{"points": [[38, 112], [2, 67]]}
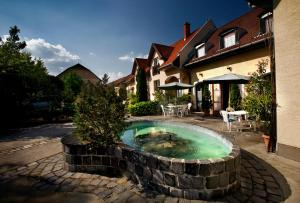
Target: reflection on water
{"points": [[173, 141]]}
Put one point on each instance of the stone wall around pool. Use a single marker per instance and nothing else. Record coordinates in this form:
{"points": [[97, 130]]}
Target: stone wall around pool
{"points": [[190, 179]]}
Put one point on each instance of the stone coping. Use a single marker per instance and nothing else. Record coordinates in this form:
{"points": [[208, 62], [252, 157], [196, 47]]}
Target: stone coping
{"points": [[191, 179]]}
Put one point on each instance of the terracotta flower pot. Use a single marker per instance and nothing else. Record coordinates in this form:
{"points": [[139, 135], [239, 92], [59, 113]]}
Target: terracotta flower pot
{"points": [[266, 139]]}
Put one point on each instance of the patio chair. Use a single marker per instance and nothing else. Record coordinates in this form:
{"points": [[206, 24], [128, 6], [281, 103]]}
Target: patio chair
{"points": [[228, 121], [163, 110], [189, 106]]}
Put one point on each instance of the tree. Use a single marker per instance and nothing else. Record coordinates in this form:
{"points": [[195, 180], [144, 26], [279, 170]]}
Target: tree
{"points": [[72, 87], [206, 98], [258, 102], [235, 97], [141, 87], [123, 92], [100, 114], [23, 80]]}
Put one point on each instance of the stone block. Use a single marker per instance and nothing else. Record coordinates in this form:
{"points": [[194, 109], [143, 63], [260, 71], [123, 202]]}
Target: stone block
{"points": [[169, 179], [217, 167], [177, 166], [229, 164], [224, 179], [163, 189], [192, 167], [204, 169], [101, 150], [96, 160], [106, 160], [232, 177], [114, 162], [152, 162], [157, 176], [122, 164], [143, 158], [164, 163], [176, 192], [147, 172], [118, 152], [78, 160], [127, 154], [139, 170], [191, 194], [212, 182], [197, 182], [86, 160], [135, 157], [184, 181]]}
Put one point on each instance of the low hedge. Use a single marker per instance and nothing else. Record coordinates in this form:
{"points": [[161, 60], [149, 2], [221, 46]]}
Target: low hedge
{"points": [[144, 108]]}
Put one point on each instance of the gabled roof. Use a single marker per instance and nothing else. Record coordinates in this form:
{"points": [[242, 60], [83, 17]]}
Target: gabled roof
{"points": [[123, 80], [248, 28], [142, 63], [84, 73]]}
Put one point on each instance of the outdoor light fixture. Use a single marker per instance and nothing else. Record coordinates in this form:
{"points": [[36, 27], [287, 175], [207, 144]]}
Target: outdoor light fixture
{"points": [[229, 68], [201, 74]]}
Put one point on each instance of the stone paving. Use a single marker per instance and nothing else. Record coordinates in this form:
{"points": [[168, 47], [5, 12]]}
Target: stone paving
{"points": [[258, 183]]}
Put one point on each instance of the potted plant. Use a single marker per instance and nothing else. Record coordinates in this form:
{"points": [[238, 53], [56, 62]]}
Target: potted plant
{"points": [[206, 99], [259, 99], [266, 129]]}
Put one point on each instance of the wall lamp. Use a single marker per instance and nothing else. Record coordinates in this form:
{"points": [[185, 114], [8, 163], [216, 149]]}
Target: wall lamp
{"points": [[229, 68], [201, 74]]}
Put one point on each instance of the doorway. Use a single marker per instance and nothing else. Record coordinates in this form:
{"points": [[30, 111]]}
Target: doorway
{"points": [[225, 95]]}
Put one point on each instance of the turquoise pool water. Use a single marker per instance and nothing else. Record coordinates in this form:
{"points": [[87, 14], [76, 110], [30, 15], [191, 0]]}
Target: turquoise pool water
{"points": [[175, 140]]}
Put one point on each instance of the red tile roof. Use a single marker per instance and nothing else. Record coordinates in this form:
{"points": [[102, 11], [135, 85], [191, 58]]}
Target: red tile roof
{"points": [[143, 63], [248, 25], [122, 80]]}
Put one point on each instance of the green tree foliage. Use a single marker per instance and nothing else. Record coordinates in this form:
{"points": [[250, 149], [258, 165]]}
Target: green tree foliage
{"points": [[72, 87], [145, 108], [235, 98], [100, 114], [123, 92], [259, 99], [141, 87], [160, 97], [206, 98], [23, 80]]}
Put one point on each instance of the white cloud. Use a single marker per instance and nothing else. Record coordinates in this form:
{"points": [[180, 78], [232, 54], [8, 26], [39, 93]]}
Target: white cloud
{"points": [[114, 75], [55, 56], [92, 54], [131, 55]]}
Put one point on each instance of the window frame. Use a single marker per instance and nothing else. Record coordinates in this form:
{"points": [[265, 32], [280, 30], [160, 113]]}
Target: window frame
{"points": [[224, 35], [198, 47]]}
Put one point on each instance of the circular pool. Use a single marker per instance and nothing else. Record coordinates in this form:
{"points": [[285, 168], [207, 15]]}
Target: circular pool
{"points": [[176, 140]]}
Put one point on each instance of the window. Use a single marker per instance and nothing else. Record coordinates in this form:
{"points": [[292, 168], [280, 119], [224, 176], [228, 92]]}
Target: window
{"points": [[200, 50], [266, 23], [155, 67], [156, 84], [228, 39]]}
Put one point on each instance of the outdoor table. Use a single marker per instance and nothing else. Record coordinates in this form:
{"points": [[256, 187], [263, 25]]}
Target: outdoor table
{"points": [[174, 109], [239, 114]]}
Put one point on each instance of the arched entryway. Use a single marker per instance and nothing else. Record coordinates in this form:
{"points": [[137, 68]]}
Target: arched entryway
{"points": [[171, 79], [172, 93]]}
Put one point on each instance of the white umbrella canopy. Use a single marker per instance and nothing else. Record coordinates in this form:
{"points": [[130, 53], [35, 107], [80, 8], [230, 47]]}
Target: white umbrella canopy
{"points": [[229, 77], [175, 86]]}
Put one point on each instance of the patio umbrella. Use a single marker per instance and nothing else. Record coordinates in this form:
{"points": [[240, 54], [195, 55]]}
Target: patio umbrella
{"points": [[229, 77], [175, 86]]}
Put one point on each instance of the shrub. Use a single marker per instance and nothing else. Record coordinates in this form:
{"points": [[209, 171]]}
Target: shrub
{"points": [[100, 114], [160, 97], [235, 97], [141, 86], [258, 102], [206, 98], [132, 99], [144, 108], [185, 98]]}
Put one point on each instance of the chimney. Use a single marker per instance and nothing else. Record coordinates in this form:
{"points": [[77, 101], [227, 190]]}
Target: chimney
{"points": [[186, 30]]}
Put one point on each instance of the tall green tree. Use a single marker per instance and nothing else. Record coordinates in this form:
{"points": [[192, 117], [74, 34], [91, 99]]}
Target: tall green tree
{"points": [[72, 87], [141, 87], [206, 98], [235, 98]]}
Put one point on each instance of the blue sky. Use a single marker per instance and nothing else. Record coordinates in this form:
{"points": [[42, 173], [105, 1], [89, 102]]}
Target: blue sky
{"points": [[104, 35]]}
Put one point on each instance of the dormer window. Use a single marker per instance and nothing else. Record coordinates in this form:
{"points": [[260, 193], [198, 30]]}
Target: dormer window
{"points": [[266, 23], [200, 50], [228, 39]]}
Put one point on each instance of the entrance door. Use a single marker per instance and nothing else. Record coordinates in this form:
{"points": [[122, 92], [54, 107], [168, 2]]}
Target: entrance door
{"points": [[198, 89], [225, 95]]}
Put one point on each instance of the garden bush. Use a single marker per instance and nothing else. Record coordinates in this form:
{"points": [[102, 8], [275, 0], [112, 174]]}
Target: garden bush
{"points": [[144, 108]]}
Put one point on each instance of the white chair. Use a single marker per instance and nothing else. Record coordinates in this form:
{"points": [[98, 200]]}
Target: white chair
{"points": [[163, 110], [226, 120], [189, 106]]}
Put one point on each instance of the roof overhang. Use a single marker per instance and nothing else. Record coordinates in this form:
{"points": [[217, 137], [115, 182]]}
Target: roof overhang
{"points": [[175, 86], [228, 78]]}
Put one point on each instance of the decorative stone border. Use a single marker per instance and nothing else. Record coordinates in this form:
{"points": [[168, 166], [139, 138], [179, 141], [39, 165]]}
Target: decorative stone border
{"points": [[190, 179]]}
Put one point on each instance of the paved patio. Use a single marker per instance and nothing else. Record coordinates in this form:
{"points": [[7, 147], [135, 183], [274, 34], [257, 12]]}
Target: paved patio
{"points": [[31, 171]]}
